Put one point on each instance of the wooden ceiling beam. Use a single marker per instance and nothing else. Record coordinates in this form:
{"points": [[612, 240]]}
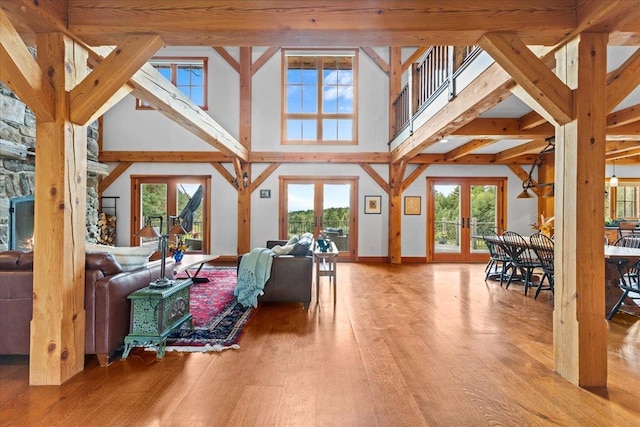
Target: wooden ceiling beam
{"points": [[106, 79], [539, 82], [630, 131], [228, 58], [531, 120], [596, 16], [154, 89], [163, 156], [315, 157], [417, 173], [257, 182], [622, 81], [532, 147], [471, 159], [377, 59], [376, 177], [467, 148], [320, 22], [631, 152], [503, 128], [624, 116], [22, 74], [263, 59], [617, 146]]}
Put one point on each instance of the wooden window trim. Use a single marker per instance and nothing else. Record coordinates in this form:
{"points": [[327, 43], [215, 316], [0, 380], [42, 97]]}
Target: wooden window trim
{"points": [[136, 222], [318, 116], [174, 61]]}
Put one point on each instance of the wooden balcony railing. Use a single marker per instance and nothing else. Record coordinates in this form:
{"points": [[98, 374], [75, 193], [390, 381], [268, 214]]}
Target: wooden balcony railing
{"points": [[427, 78]]}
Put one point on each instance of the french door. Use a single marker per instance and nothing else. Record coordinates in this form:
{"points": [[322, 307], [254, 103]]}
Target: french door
{"points": [[164, 201], [315, 205], [459, 210]]}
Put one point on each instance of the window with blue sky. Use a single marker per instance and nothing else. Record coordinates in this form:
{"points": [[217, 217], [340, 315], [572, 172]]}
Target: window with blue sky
{"points": [[189, 75], [320, 94]]}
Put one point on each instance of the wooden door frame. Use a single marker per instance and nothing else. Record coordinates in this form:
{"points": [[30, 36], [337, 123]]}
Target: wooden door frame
{"points": [[284, 180], [136, 222], [464, 182]]}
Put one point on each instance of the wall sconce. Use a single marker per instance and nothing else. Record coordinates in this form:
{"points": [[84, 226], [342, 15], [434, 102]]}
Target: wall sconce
{"points": [[245, 180], [613, 182], [528, 183]]}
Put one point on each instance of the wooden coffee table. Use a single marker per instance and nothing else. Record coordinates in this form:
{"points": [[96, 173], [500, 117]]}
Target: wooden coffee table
{"points": [[193, 260]]}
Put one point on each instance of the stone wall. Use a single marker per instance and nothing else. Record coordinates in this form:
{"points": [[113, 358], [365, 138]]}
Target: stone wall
{"points": [[17, 176]]}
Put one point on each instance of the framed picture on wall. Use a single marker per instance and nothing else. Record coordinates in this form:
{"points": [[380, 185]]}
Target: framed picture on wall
{"points": [[265, 194], [372, 204], [412, 205]]}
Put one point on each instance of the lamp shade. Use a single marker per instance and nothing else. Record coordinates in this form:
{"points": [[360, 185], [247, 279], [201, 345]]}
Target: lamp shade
{"points": [[524, 195], [177, 229], [148, 231]]}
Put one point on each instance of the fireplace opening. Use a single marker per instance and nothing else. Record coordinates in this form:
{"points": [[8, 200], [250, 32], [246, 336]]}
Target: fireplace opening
{"points": [[21, 219]]}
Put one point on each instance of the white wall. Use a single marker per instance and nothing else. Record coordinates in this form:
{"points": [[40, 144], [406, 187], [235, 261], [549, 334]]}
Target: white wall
{"points": [[128, 129]]}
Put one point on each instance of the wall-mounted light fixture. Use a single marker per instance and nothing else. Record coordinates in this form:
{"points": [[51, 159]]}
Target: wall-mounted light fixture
{"points": [[528, 183], [245, 180]]}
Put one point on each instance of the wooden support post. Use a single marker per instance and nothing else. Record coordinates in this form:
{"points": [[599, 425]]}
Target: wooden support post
{"points": [[244, 194], [579, 325], [58, 323], [395, 84], [396, 173]]}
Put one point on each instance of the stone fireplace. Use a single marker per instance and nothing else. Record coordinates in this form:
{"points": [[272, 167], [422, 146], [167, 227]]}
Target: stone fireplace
{"points": [[18, 166]]}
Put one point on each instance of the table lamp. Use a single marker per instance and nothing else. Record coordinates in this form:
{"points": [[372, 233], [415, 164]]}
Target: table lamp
{"points": [[149, 231]]}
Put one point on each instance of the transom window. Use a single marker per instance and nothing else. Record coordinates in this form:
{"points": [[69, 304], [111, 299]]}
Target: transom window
{"points": [[189, 75], [319, 97]]}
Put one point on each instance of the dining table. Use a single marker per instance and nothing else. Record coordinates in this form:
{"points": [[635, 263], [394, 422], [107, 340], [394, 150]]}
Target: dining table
{"points": [[612, 278], [613, 292]]}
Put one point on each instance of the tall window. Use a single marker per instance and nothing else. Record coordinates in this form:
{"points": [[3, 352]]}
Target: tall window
{"points": [[189, 75], [319, 97], [624, 200]]}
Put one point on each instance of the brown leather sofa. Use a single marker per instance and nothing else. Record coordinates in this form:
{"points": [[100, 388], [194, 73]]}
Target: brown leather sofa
{"points": [[107, 308], [291, 277]]}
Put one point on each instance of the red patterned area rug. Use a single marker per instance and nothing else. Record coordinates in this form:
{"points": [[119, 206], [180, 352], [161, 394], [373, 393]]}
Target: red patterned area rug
{"points": [[218, 317]]}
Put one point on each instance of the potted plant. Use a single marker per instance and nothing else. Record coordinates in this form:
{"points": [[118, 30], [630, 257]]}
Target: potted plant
{"points": [[441, 237]]}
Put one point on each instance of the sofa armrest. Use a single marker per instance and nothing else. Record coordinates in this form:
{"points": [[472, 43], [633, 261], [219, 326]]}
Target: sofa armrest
{"points": [[113, 308]]}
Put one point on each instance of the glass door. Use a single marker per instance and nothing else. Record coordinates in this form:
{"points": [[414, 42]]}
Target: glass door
{"points": [[317, 206], [166, 201], [459, 210]]}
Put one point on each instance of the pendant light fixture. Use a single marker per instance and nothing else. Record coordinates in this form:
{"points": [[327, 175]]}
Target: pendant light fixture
{"points": [[613, 182]]}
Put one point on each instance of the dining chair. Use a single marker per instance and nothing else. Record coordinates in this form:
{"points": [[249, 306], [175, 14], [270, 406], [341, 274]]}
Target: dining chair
{"points": [[626, 228], [523, 258], [544, 250], [629, 272], [499, 260]]}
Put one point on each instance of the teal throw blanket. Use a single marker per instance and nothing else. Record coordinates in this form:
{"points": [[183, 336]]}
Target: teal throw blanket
{"points": [[254, 271]]}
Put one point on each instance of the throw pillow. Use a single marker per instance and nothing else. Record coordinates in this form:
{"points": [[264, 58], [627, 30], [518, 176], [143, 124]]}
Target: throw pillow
{"points": [[293, 240], [282, 250], [303, 245]]}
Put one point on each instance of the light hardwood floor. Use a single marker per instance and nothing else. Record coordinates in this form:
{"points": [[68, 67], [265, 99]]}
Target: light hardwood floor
{"points": [[406, 345]]}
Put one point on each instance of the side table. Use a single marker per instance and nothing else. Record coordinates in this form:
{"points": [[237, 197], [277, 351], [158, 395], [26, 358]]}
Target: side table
{"points": [[155, 313], [326, 265]]}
